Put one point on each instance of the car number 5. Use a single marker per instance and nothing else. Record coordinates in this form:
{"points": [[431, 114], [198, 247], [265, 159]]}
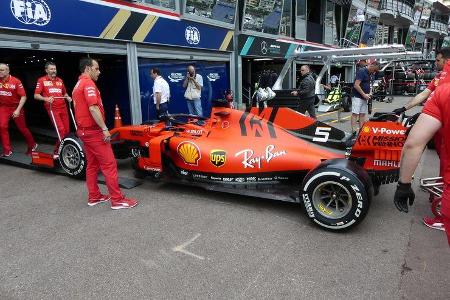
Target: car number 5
{"points": [[322, 134]]}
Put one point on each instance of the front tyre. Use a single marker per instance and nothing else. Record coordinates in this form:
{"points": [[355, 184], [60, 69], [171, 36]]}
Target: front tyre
{"points": [[334, 198], [72, 157]]}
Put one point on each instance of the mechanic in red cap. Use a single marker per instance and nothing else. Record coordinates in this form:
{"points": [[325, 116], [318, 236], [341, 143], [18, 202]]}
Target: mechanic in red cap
{"points": [[92, 130], [52, 91], [433, 118], [12, 100]]}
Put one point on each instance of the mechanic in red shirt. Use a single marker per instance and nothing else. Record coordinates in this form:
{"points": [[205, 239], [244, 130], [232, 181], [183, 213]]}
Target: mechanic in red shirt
{"points": [[435, 117], [12, 100], [442, 57], [92, 130], [52, 91], [443, 65]]}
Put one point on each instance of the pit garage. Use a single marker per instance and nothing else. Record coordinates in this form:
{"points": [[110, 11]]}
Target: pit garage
{"points": [[27, 60]]}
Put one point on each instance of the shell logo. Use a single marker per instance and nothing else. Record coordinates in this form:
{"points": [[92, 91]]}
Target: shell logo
{"points": [[366, 129], [189, 152]]}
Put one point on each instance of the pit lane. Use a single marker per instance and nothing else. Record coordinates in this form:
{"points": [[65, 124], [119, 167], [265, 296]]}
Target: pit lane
{"points": [[184, 242]]}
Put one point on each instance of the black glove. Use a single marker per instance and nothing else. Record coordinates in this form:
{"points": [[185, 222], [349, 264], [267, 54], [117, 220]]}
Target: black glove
{"points": [[399, 111], [403, 193]]}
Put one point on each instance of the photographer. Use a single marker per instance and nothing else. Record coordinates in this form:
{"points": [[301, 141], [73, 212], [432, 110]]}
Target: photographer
{"points": [[193, 85]]}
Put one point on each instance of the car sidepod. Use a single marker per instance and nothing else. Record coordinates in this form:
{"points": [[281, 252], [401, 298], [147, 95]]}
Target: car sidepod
{"points": [[337, 194]]}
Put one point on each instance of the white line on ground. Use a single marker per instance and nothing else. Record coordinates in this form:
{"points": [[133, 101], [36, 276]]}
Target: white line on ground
{"points": [[181, 247]]}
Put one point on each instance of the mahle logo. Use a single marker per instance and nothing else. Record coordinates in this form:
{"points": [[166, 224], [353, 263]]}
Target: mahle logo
{"points": [[34, 12]]}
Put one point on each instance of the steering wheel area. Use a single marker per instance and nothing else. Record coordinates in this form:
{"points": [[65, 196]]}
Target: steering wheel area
{"points": [[172, 120]]}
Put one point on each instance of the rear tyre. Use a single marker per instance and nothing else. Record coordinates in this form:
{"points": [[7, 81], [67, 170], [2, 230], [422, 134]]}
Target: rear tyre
{"points": [[334, 198], [346, 103], [72, 157]]}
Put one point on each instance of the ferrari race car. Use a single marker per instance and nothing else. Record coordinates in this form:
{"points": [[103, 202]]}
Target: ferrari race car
{"points": [[274, 153]]}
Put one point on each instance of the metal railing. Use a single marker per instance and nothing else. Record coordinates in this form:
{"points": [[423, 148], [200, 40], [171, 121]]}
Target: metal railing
{"points": [[403, 7], [346, 43]]}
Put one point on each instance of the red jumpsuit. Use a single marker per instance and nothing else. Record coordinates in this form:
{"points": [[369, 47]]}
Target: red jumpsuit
{"points": [[11, 90], [47, 87], [99, 154], [438, 107]]}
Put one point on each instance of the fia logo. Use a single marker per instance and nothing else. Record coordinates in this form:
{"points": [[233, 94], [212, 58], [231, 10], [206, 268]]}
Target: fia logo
{"points": [[192, 35], [34, 12]]}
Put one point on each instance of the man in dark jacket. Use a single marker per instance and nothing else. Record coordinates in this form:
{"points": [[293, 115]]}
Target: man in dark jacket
{"points": [[306, 91]]}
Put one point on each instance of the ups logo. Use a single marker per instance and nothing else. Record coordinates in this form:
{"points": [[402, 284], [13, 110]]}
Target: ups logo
{"points": [[218, 157]]}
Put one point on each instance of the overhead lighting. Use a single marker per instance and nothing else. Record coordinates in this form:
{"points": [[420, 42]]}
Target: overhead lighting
{"points": [[261, 59]]}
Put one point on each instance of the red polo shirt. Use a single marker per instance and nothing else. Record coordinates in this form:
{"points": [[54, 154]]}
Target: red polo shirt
{"points": [[438, 107], [84, 95], [11, 90], [47, 87]]}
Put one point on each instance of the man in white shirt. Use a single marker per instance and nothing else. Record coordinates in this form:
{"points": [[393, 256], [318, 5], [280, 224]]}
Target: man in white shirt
{"points": [[161, 92], [193, 83]]}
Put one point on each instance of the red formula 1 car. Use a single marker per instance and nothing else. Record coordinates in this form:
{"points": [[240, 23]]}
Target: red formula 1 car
{"points": [[274, 153]]}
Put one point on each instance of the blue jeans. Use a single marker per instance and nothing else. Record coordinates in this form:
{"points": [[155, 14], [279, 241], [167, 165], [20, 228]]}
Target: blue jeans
{"points": [[195, 107]]}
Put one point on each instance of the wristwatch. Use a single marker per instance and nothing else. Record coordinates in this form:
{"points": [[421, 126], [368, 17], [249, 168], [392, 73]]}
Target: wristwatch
{"points": [[105, 129]]}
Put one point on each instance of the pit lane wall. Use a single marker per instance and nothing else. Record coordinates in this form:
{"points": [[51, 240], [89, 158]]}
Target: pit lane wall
{"points": [[149, 31]]}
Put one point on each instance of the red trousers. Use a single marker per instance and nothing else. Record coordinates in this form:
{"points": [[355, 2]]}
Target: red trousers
{"points": [[99, 156], [5, 115], [61, 122], [447, 227], [61, 119]]}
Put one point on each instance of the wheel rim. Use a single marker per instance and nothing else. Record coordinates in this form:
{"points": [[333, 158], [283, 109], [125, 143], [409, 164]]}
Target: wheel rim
{"points": [[332, 200], [71, 156], [135, 152]]}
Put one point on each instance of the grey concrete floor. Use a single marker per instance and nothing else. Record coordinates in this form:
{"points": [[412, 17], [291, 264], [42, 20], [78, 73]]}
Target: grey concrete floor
{"points": [[187, 243]]}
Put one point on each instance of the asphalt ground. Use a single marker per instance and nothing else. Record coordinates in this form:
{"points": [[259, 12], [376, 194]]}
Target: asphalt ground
{"points": [[186, 243]]}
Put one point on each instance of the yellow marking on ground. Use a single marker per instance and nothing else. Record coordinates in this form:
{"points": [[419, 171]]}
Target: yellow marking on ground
{"points": [[116, 24], [328, 113], [347, 117], [145, 28]]}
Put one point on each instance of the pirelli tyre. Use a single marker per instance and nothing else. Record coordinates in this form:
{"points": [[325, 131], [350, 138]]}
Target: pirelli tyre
{"points": [[337, 196], [346, 103], [72, 157]]}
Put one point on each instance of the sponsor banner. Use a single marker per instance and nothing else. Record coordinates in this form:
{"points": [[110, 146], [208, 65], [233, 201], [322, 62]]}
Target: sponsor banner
{"points": [[259, 46], [386, 163], [115, 20], [218, 157], [252, 160], [382, 140], [382, 130], [266, 47], [233, 178], [189, 152]]}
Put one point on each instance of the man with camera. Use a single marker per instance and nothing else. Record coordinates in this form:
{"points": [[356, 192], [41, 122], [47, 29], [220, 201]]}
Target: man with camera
{"points": [[193, 83]]}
